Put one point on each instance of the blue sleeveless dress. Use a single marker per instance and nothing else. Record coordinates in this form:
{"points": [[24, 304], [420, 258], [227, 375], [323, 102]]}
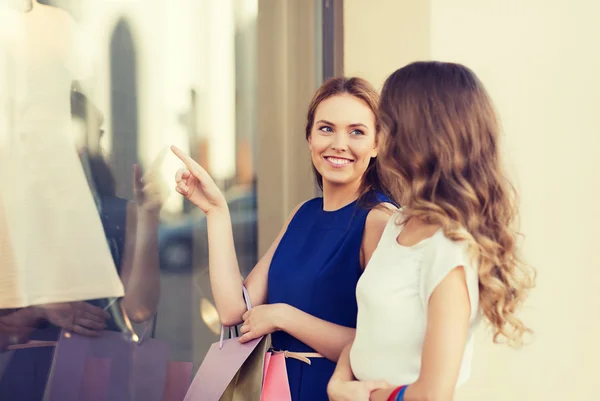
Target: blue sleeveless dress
{"points": [[316, 268]]}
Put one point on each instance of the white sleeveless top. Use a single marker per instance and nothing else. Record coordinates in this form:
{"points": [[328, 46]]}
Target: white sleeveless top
{"points": [[393, 295]]}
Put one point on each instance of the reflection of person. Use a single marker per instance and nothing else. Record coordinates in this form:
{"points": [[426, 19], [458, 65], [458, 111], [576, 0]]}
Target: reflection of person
{"points": [[131, 231], [131, 228], [447, 255], [303, 288]]}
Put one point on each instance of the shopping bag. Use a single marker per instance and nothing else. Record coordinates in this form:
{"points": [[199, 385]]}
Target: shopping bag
{"points": [[111, 367], [96, 376], [276, 386], [232, 371], [246, 384], [179, 377]]}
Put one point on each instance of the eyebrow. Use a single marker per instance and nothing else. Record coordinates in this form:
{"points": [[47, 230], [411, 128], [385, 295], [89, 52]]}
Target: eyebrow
{"points": [[351, 125]]}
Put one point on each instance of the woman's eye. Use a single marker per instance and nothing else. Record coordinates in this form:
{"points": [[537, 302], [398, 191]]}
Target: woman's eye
{"points": [[326, 129], [357, 132]]}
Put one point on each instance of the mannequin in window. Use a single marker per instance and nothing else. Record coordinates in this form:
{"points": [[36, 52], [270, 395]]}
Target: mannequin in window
{"points": [[40, 59]]}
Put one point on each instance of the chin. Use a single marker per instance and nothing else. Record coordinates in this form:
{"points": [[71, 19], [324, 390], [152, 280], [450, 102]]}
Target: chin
{"points": [[338, 181]]}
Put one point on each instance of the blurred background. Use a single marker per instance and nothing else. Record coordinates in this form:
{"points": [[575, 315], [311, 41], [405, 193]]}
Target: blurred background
{"points": [[229, 82]]}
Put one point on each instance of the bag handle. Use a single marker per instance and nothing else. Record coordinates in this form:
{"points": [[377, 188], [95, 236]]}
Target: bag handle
{"points": [[32, 344], [246, 297], [150, 328]]}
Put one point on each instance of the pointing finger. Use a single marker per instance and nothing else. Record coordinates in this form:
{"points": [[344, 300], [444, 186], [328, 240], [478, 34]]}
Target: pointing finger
{"points": [[190, 163]]}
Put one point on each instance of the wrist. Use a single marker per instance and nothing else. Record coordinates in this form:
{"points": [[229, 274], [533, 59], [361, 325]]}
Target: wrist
{"points": [[397, 394], [148, 217], [217, 212], [283, 314]]}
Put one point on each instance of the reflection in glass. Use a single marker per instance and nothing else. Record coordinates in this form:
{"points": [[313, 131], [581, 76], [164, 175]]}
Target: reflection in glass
{"points": [[50, 217], [124, 105], [209, 315], [89, 105]]}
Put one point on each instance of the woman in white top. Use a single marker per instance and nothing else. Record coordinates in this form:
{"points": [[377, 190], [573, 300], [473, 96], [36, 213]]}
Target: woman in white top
{"points": [[448, 256]]}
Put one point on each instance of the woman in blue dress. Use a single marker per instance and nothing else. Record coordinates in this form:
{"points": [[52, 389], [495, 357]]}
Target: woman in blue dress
{"points": [[303, 288]]}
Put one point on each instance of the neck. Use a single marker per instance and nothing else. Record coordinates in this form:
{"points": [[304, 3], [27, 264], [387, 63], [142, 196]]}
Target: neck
{"points": [[338, 196]]}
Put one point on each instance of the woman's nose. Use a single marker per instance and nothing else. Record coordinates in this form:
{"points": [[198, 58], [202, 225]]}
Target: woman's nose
{"points": [[339, 142]]}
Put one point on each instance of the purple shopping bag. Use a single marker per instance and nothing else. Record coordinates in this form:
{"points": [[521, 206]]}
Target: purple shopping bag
{"points": [[221, 364], [111, 367]]}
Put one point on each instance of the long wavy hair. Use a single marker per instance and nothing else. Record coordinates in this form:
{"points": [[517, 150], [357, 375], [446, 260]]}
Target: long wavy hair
{"points": [[440, 156], [363, 90]]}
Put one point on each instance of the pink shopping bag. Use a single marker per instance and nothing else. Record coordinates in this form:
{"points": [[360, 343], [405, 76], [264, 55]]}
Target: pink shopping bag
{"points": [[275, 383]]}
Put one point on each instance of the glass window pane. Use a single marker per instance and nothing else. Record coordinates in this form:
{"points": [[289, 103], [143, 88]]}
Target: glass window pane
{"points": [[94, 93]]}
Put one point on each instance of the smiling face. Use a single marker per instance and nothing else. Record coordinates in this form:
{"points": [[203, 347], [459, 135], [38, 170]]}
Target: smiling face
{"points": [[342, 139]]}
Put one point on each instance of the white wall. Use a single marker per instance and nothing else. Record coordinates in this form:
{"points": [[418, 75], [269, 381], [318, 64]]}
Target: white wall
{"points": [[540, 63], [382, 35]]}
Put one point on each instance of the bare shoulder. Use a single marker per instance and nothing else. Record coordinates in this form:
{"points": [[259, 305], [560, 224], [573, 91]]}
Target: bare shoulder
{"points": [[375, 224], [378, 218]]}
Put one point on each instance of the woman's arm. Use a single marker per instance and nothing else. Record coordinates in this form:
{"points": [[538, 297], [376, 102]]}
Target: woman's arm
{"points": [[343, 386], [343, 370], [328, 339], [445, 339], [325, 337], [225, 277], [198, 187], [140, 270]]}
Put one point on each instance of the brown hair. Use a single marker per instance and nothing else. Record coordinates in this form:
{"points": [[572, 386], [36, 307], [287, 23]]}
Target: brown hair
{"points": [[82, 108], [440, 156], [364, 91]]}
